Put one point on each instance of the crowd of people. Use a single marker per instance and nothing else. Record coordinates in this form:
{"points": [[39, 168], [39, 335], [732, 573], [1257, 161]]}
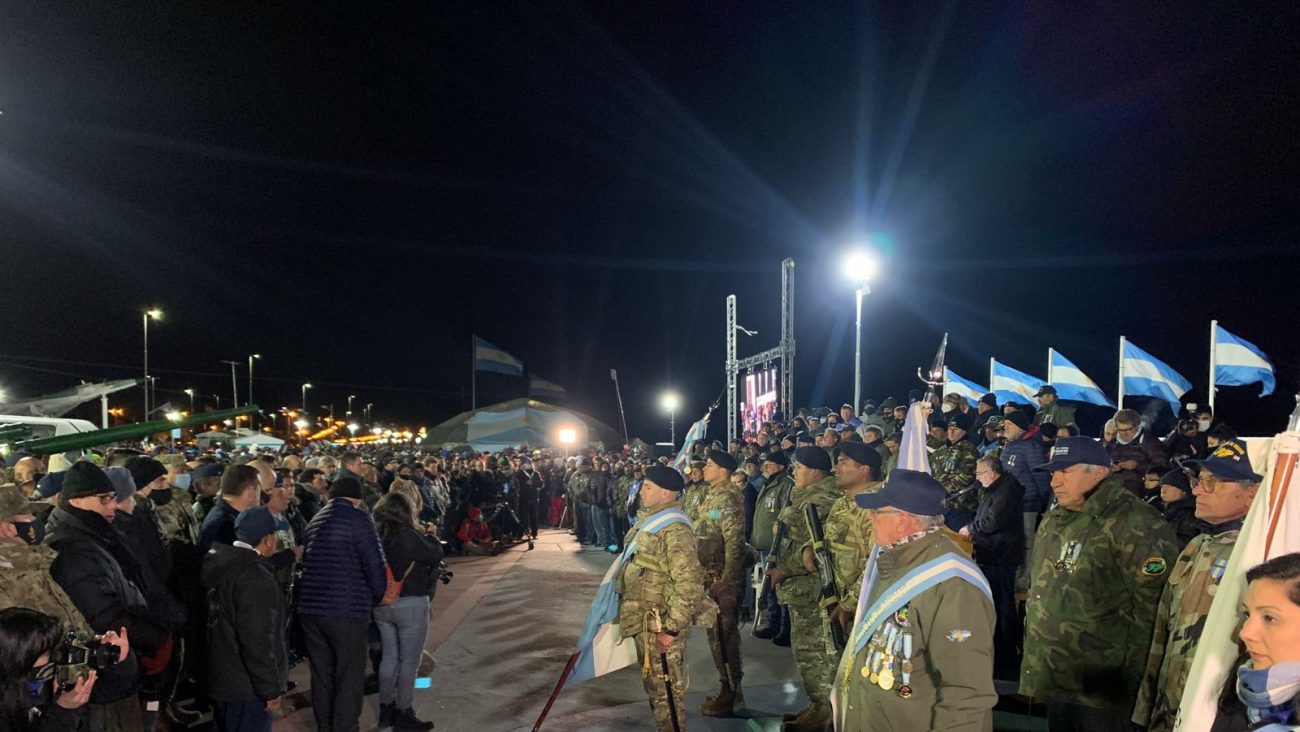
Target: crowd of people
{"points": [[146, 589]]}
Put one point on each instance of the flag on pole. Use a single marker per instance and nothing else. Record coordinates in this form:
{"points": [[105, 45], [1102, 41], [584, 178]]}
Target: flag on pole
{"points": [[1271, 529], [1074, 385], [965, 388], [912, 451], [1144, 375], [1010, 385], [696, 432], [488, 357], [1238, 362], [543, 389]]}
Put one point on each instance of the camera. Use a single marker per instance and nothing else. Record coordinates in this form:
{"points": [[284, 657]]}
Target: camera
{"points": [[77, 653], [444, 574]]}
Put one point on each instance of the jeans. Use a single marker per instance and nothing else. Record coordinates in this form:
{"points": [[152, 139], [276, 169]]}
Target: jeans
{"points": [[600, 524], [240, 716], [336, 649], [403, 627]]}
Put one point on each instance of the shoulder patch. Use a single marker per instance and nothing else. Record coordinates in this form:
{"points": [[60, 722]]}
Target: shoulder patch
{"points": [[715, 513], [1154, 566], [959, 635]]}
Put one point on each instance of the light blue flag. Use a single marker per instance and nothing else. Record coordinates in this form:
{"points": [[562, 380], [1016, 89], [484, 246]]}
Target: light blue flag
{"points": [[695, 433], [1238, 362], [912, 451], [967, 389], [488, 357], [1144, 375], [1010, 385], [1074, 385], [543, 389]]}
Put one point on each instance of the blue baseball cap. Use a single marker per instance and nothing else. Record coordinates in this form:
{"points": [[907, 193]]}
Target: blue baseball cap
{"points": [[208, 470], [907, 490], [1075, 451], [254, 524], [1230, 462]]}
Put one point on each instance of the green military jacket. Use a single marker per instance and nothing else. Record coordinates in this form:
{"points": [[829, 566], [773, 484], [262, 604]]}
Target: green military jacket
{"points": [[951, 677], [719, 526], [25, 581], [800, 587], [665, 575], [1180, 618], [623, 484], [772, 497], [1056, 413], [580, 487], [692, 496], [953, 465], [848, 528], [179, 522], [1095, 580]]}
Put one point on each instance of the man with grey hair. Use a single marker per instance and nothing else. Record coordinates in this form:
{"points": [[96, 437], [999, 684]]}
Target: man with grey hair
{"points": [[1134, 451]]}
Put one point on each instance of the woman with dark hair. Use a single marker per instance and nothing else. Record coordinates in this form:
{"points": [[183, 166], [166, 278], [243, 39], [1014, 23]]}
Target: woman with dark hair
{"points": [[412, 556], [1268, 681], [27, 638]]}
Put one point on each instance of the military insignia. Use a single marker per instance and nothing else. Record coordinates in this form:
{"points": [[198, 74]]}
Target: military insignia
{"points": [[715, 513], [900, 617], [1154, 566], [905, 692], [959, 635], [1218, 568]]}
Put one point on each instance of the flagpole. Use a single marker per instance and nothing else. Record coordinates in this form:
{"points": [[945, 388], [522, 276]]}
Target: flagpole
{"points": [[1214, 347], [992, 362], [473, 375], [1050, 359], [1119, 399]]}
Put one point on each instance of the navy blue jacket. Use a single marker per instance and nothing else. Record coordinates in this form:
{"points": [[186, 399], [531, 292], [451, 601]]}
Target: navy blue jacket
{"points": [[1019, 457], [218, 526], [342, 564]]}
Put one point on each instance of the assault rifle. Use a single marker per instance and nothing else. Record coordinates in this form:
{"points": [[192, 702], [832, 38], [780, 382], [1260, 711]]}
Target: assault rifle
{"points": [[777, 537], [830, 593]]}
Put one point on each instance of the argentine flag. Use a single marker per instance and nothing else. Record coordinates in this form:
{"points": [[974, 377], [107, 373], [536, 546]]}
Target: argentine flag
{"points": [[693, 435], [1072, 384], [1143, 375], [1239, 363], [1009, 385], [488, 357], [962, 387]]}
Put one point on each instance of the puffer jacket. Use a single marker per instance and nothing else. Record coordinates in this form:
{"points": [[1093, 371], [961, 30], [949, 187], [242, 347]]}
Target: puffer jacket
{"points": [[342, 564], [1019, 458]]}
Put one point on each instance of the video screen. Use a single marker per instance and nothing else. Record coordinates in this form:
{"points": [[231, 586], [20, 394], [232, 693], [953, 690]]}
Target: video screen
{"points": [[760, 399]]}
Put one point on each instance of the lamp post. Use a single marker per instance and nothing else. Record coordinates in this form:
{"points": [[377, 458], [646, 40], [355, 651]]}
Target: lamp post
{"points": [[252, 357], [190, 392], [669, 401], [350, 398], [234, 384], [305, 387], [860, 266], [145, 317], [568, 436], [368, 406]]}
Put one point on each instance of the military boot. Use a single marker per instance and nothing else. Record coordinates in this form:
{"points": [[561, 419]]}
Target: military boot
{"points": [[725, 703], [813, 718]]}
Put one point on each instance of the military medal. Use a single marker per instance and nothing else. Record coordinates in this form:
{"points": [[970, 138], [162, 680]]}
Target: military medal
{"points": [[886, 680], [905, 690], [866, 672]]}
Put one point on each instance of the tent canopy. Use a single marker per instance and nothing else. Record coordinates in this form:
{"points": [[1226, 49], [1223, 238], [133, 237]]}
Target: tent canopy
{"points": [[518, 421], [256, 440]]}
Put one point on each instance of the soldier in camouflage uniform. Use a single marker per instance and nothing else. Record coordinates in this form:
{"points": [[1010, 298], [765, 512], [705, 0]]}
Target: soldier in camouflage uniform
{"points": [[579, 488], [773, 496], [662, 582], [1224, 491], [953, 465], [719, 526], [848, 529], [798, 588], [1099, 562], [25, 579], [696, 489]]}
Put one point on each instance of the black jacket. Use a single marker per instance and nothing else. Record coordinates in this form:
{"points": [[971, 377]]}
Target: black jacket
{"points": [[246, 654], [998, 530], [218, 527], [421, 553], [527, 485], [308, 502], [1181, 515]]}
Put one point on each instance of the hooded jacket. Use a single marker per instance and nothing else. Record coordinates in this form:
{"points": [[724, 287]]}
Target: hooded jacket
{"points": [[246, 655]]}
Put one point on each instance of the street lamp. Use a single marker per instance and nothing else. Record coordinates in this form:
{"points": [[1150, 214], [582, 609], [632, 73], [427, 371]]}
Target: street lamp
{"points": [[368, 406], [145, 317], [669, 401], [859, 266], [350, 398], [353, 427], [251, 358], [568, 436], [305, 387], [234, 384], [190, 392]]}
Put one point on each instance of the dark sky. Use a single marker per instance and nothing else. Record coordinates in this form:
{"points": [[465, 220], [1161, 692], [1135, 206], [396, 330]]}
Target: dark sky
{"points": [[353, 192]]}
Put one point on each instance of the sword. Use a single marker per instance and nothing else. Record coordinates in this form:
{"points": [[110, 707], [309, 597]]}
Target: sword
{"points": [[568, 669], [654, 626]]}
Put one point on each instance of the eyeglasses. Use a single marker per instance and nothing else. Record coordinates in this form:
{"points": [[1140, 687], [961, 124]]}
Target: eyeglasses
{"points": [[1127, 430], [1208, 484], [106, 499], [885, 512]]}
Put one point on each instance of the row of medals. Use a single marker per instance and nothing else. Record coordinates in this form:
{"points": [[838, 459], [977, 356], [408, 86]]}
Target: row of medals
{"points": [[890, 649]]}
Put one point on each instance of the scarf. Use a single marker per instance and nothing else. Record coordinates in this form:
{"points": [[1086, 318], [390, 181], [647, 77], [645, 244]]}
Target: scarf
{"points": [[1269, 694]]}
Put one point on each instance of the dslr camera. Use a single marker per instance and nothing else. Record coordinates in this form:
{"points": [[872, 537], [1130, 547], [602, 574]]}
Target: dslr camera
{"points": [[78, 653]]}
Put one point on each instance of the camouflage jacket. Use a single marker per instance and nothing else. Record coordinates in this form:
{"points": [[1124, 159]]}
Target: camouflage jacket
{"points": [[622, 484], [719, 526], [665, 575], [1095, 579], [580, 488], [1180, 618], [848, 529], [772, 497], [954, 467], [179, 522], [800, 587], [692, 497], [25, 581]]}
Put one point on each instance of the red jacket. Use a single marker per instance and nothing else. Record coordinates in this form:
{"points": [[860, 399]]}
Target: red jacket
{"points": [[471, 530]]}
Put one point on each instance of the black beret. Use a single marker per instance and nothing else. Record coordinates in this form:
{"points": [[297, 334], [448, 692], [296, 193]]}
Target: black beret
{"points": [[83, 479], [861, 453], [723, 460], [779, 458], [813, 457], [665, 477]]}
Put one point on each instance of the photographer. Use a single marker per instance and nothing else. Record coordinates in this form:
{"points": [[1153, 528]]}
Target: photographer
{"points": [[30, 658]]}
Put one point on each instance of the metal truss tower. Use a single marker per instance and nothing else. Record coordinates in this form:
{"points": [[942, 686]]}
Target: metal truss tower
{"points": [[784, 352]]}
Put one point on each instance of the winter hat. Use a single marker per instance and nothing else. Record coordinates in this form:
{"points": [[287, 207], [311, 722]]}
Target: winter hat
{"points": [[145, 470], [84, 479]]}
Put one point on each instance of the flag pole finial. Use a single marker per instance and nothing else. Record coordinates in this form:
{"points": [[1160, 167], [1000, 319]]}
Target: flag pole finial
{"points": [[935, 377]]}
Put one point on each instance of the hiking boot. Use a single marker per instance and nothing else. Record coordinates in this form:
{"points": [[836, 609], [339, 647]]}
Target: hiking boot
{"points": [[723, 704], [386, 712], [406, 721], [811, 719]]}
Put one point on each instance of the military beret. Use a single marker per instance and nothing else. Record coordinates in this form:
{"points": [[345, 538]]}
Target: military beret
{"points": [[861, 453], [777, 457], [957, 420], [665, 477], [814, 458], [989, 399], [723, 460]]}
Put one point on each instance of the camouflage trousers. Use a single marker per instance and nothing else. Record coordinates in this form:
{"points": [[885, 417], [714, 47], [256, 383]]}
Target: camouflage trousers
{"points": [[654, 684], [815, 665], [724, 642]]}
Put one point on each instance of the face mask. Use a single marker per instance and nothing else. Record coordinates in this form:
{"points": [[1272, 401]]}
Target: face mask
{"points": [[182, 482], [163, 497], [1203, 425], [36, 478], [31, 533], [947, 407]]}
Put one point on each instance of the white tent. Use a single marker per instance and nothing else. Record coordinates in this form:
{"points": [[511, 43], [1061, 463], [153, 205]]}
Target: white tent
{"points": [[518, 422], [260, 441]]}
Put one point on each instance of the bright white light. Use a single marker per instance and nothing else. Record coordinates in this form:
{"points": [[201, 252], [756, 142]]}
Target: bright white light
{"points": [[353, 428], [155, 313], [376, 431], [861, 265], [174, 416], [568, 436], [301, 424], [669, 401]]}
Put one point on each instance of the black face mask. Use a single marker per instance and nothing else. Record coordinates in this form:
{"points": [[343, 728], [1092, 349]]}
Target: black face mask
{"points": [[30, 532], [404, 477], [161, 497]]}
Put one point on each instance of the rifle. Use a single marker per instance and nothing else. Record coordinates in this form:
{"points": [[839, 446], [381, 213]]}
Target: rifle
{"points": [[777, 537], [830, 593]]}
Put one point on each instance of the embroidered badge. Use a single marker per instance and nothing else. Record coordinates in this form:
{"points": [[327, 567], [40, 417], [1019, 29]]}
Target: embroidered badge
{"points": [[1154, 566], [715, 513], [1218, 568], [959, 635]]}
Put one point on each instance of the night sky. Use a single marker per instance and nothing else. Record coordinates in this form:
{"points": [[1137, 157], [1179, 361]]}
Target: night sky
{"points": [[353, 192]]}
